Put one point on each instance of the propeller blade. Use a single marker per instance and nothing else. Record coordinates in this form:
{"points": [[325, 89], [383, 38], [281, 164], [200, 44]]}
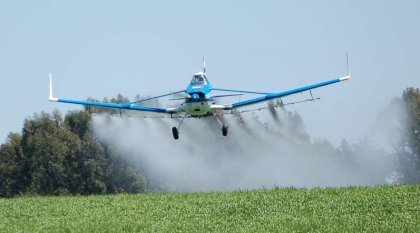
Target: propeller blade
{"points": [[229, 95], [181, 98]]}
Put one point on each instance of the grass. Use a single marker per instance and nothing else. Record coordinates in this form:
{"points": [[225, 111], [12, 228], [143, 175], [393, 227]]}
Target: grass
{"points": [[354, 209]]}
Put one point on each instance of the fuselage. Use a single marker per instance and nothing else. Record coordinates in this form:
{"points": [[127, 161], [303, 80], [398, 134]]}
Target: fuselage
{"points": [[201, 98]]}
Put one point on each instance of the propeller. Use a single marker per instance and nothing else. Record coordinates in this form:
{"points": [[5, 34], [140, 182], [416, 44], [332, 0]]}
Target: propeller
{"points": [[216, 96], [180, 96], [229, 95]]}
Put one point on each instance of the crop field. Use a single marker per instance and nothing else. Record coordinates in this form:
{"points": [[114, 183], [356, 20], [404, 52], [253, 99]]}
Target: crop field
{"points": [[355, 209]]}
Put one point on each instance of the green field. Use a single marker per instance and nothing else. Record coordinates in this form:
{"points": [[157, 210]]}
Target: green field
{"points": [[371, 209]]}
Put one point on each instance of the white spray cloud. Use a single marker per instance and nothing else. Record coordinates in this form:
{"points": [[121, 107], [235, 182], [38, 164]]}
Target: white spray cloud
{"points": [[259, 151]]}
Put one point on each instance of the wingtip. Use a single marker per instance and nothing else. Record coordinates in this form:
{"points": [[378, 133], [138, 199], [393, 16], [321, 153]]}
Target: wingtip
{"points": [[50, 97], [345, 78]]}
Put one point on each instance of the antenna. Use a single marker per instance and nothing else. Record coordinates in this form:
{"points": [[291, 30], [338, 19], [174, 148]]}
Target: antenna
{"points": [[204, 65]]}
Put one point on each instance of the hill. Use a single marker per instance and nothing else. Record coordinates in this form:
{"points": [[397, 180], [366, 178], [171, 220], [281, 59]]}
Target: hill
{"points": [[371, 209]]}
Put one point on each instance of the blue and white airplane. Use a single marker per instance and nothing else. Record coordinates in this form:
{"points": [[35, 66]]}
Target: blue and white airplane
{"points": [[199, 100]]}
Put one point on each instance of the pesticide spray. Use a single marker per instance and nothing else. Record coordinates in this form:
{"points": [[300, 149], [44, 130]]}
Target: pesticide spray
{"points": [[263, 150]]}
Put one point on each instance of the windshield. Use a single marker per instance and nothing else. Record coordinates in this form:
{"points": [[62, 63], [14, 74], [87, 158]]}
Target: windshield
{"points": [[198, 80]]}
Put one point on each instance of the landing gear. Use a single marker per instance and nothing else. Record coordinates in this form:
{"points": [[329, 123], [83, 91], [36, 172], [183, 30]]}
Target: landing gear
{"points": [[175, 130], [175, 133], [225, 129]]}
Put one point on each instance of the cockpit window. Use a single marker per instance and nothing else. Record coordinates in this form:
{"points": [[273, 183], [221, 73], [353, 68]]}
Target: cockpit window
{"points": [[198, 80]]}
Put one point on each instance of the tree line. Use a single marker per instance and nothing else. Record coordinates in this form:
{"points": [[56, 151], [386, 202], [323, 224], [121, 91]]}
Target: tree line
{"points": [[56, 155]]}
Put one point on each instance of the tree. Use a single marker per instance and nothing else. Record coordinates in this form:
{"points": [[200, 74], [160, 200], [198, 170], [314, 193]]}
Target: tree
{"points": [[77, 122], [93, 165], [121, 176], [47, 145], [410, 145], [12, 180]]}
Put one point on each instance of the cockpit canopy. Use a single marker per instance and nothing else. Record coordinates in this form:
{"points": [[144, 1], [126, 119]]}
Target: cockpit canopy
{"points": [[199, 79]]}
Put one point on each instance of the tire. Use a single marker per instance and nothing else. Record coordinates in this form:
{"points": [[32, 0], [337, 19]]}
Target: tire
{"points": [[175, 133], [225, 130]]}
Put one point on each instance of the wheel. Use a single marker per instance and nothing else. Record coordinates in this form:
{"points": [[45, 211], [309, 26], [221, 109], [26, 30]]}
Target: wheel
{"points": [[224, 130], [175, 133]]}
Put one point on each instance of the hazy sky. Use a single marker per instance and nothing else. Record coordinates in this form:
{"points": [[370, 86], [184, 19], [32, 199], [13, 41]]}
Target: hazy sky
{"points": [[101, 48]]}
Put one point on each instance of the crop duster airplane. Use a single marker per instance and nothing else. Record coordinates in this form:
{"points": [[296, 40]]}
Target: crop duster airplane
{"points": [[199, 100]]}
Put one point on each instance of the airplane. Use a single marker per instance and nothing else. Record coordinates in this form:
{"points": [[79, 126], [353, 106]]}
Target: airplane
{"points": [[199, 100]]}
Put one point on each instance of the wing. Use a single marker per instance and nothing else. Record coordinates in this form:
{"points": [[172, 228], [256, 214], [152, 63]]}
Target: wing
{"points": [[286, 93], [269, 96], [130, 105]]}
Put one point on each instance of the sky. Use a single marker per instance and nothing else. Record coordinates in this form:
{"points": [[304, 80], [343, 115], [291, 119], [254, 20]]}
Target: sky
{"points": [[102, 48]]}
